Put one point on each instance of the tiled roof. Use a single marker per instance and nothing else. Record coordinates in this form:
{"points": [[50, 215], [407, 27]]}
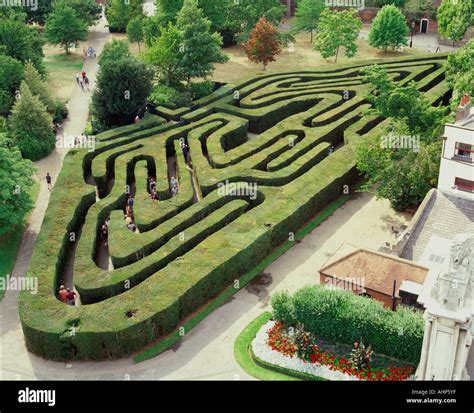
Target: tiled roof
{"points": [[445, 215], [377, 270]]}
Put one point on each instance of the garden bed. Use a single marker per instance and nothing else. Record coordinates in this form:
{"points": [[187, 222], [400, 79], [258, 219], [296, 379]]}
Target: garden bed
{"points": [[275, 347]]}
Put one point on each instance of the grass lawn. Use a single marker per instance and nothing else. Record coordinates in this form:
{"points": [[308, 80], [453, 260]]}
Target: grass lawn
{"points": [[166, 342], [10, 243], [62, 69]]}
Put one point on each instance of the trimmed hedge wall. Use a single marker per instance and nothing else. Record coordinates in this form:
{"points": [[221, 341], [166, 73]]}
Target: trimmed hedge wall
{"points": [[224, 236], [344, 317]]}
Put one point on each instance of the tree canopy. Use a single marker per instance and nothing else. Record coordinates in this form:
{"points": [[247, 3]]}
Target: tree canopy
{"points": [[263, 44], [389, 29], [337, 29], [460, 71], [15, 181], [200, 48], [122, 89], [64, 26], [30, 125], [307, 16], [454, 18]]}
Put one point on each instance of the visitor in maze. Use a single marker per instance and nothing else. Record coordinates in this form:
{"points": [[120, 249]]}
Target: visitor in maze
{"points": [[130, 201], [63, 294], [71, 297], [185, 149], [152, 184], [104, 233], [174, 186]]}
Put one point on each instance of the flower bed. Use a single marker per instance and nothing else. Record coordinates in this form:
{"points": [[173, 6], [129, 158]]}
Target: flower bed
{"points": [[274, 345]]}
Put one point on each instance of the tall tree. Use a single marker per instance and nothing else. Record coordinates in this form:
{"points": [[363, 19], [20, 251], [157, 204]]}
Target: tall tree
{"points": [[405, 162], [11, 75], [31, 125], [166, 54], [114, 51], [243, 15], [122, 89], [15, 181], [64, 27], [460, 71], [337, 29], [135, 30], [38, 87], [307, 16], [389, 29], [120, 12], [200, 48], [454, 18], [414, 10], [21, 42], [263, 44]]}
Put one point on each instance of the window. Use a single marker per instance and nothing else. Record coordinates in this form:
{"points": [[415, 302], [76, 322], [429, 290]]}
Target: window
{"points": [[464, 185], [464, 151]]}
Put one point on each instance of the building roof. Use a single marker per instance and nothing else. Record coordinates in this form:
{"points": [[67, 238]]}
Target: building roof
{"points": [[376, 270], [444, 215]]}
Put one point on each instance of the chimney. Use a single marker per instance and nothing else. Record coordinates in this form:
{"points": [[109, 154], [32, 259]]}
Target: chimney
{"points": [[464, 108]]}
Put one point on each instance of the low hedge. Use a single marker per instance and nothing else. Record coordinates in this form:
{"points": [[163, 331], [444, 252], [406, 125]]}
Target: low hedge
{"points": [[341, 316]]}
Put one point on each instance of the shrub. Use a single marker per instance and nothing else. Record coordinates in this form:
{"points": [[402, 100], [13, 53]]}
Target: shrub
{"points": [[163, 95], [201, 89], [343, 317]]}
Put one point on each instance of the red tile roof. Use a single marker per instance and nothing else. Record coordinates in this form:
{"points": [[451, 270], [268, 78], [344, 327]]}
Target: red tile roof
{"points": [[377, 270]]}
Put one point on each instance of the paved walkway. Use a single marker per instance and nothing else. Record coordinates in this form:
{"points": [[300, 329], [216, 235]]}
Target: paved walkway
{"points": [[12, 349], [207, 351]]}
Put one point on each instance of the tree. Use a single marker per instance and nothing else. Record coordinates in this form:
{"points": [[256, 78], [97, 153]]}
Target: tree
{"points": [[166, 55], [63, 26], [263, 44], [11, 75], [243, 15], [31, 125], [120, 12], [114, 51], [135, 31], [38, 87], [454, 18], [200, 48], [15, 180], [336, 29], [307, 16], [389, 28], [21, 42], [405, 161], [460, 73], [122, 89], [87, 10]]}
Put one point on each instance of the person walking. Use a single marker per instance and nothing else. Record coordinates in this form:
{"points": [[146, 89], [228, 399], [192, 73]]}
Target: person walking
{"points": [[130, 201], [81, 82], [71, 297], [48, 181], [63, 294], [77, 78], [83, 74], [104, 233]]}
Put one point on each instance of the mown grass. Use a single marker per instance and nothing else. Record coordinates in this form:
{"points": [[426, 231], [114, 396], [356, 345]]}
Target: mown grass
{"points": [[10, 243], [62, 69], [165, 343]]}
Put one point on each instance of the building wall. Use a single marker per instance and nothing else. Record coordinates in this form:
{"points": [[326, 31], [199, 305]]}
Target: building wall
{"points": [[449, 168], [385, 299]]}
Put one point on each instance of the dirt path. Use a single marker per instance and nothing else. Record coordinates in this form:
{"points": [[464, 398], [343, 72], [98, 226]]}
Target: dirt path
{"points": [[13, 354]]}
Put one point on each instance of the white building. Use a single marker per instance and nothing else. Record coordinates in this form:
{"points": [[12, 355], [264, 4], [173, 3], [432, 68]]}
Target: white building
{"points": [[457, 160]]}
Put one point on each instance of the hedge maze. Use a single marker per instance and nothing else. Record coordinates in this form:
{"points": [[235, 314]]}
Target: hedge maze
{"points": [[264, 157]]}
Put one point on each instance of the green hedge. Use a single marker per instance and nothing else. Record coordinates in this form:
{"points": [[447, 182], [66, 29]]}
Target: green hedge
{"points": [[341, 316]]}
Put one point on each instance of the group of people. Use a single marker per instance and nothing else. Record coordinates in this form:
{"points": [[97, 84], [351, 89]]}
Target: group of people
{"points": [[82, 79], [67, 296], [104, 231], [129, 218], [89, 52]]}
